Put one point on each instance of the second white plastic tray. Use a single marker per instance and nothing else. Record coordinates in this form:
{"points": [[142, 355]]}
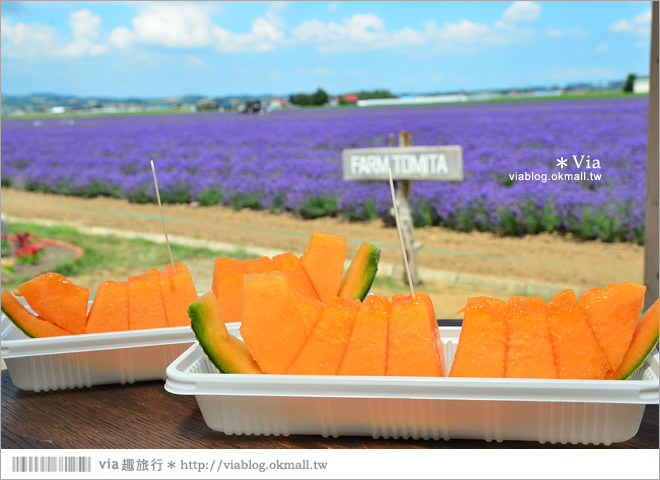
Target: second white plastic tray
{"points": [[575, 411]]}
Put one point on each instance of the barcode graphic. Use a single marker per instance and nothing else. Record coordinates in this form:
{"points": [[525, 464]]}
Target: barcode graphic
{"points": [[51, 464]]}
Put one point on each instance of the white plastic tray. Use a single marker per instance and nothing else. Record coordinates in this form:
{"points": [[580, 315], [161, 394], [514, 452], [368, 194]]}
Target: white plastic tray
{"points": [[76, 361], [564, 411]]}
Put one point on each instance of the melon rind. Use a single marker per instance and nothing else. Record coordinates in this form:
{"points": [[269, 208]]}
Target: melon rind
{"points": [[361, 273], [225, 351], [644, 338]]}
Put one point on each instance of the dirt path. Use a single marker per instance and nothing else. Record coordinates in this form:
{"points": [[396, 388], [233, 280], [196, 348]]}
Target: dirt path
{"points": [[544, 258]]}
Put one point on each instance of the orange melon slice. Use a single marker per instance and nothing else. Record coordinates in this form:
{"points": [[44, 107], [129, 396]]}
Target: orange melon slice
{"points": [[152, 274], [324, 350], [30, 325], [414, 347], [228, 287], [529, 353], [290, 265], [178, 292], [145, 302], [258, 265], [612, 313], [643, 341], [324, 263], [277, 320], [578, 354], [482, 345], [366, 353], [56, 299], [109, 312]]}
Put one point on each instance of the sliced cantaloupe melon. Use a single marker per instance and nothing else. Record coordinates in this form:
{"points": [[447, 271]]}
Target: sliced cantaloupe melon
{"points": [[482, 345], [109, 312], [259, 265], [325, 348], [366, 352], [414, 347], [324, 263], [612, 313], [178, 291], [228, 287], [290, 265], [361, 273], [529, 352], [226, 352], [577, 352], [276, 321], [152, 274], [30, 325], [56, 299], [145, 302], [644, 339]]}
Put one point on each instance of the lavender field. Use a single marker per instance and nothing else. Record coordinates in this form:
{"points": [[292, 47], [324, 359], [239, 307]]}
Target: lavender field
{"points": [[291, 160]]}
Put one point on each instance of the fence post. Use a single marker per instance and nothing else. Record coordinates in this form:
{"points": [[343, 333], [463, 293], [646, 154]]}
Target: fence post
{"points": [[651, 220], [404, 188]]}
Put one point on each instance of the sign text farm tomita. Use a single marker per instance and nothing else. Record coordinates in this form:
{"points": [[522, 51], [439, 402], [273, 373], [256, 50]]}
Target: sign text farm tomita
{"points": [[407, 163]]}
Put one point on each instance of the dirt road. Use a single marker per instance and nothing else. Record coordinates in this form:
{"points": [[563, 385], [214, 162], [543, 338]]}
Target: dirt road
{"points": [[545, 258]]}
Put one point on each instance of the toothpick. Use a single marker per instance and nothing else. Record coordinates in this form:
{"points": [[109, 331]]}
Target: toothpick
{"points": [[398, 227], [162, 217]]}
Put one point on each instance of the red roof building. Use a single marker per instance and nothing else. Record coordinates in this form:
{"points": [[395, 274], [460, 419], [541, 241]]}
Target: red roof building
{"points": [[350, 98]]}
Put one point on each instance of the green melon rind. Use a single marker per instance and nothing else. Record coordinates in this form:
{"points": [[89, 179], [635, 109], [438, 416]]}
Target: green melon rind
{"points": [[212, 334], [365, 277], [18, 325], [640, 360]]}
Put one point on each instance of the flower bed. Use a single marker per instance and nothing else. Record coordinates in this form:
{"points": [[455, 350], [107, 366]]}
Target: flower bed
{"points": [[291, 160]]}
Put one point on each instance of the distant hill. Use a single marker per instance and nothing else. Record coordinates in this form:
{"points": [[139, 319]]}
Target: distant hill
{"points": [[45, 101]]}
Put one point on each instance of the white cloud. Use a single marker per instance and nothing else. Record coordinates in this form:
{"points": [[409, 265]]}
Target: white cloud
{"points": [[321, 71], [362, 31], [566, 32], [178, 25], [639, 25], [333, 6], [274, 74], [189, 25], [21, 40], [26, 40], [465, 34], [437, 78], [603, 47], [522, 12], [85, 28], [121, 37], [266, 33], [581, 74], [194, 62], [464, 31]]}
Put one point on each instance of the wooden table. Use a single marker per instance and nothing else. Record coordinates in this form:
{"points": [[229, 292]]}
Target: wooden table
{"points": [[144, 415]]}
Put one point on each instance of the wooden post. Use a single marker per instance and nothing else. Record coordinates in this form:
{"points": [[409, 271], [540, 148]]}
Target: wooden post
{"points": [[403, 190], [653, 153]]}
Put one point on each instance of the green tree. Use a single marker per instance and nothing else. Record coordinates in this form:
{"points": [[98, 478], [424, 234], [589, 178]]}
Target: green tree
{"points": [[370, 94], [301, 99], [320, 97], [630, 80]]}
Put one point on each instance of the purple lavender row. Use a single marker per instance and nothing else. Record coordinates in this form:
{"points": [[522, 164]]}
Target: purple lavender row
{"points": [[291, 160]]}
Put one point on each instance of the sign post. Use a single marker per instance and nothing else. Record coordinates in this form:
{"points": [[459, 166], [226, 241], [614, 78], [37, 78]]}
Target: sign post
{"points": [[408, 163]]}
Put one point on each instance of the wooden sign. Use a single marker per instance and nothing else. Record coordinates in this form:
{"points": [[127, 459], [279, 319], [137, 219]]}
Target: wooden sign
{"points": [[407, 163]]}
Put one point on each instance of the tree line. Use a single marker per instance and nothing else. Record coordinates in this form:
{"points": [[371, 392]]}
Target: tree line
{"points": [[321, 97]]}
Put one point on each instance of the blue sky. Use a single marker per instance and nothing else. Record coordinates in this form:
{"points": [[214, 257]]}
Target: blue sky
{"points": [[152, 49]]}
